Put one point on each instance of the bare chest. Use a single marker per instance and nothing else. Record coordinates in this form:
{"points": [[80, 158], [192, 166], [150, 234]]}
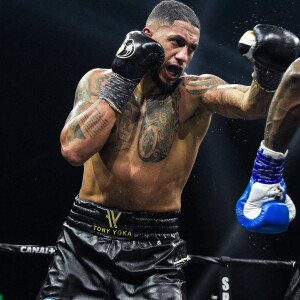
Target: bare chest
{"points": [[148, 132]]}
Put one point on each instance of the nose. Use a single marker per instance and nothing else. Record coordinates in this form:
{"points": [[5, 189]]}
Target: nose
{"points": [[182, 55]]}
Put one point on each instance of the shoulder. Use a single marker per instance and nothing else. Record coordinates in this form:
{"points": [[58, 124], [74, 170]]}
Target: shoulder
{"points": [[91, 84], [97, 72], [95, 75], [93, 81]]}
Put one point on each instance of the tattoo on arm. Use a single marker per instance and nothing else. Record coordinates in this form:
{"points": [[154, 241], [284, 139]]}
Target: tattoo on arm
{"points": [[75, 132], [200, 85], [87, 93], [85, 97], [94, 123], [233, 95], [231, 100]]}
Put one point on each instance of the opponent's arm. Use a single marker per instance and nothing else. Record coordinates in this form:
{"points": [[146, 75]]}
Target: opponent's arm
{"points": [[284, 113], [90, 123], [265, 205], [271, 49]]}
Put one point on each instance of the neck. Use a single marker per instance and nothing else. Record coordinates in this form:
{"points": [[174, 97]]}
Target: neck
{"points": [[147, 88]]}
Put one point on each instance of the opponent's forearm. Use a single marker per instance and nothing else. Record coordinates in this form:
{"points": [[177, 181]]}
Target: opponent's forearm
{"points": [[85, 134], [284, 114]]}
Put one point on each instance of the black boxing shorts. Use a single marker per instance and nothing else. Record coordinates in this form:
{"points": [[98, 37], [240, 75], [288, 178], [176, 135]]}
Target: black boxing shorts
{"points": [[107, 253], [293, 291]]}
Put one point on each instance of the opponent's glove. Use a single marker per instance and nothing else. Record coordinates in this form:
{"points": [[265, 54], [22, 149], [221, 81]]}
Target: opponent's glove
{"points": [[272, 49], [137, 55], [265, 207]]}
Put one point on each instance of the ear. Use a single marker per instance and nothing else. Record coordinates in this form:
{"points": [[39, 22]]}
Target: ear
{"points": [[148, 31]]}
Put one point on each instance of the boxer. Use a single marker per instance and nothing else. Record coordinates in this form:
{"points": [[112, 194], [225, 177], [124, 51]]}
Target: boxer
{"points": [[137, 129]]}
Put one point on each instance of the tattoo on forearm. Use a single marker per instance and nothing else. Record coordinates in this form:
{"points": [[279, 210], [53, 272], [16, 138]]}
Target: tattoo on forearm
{"points": [[94, 123], [233, 95], [101, 81], [75, 132]]}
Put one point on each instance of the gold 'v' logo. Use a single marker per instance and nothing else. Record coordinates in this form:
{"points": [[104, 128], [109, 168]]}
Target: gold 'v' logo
{"points": [[112, 219]]}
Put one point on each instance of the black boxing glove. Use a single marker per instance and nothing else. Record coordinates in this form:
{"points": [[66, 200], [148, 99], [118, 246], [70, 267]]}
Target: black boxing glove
{"points": [[137, 55], [272, 49]]}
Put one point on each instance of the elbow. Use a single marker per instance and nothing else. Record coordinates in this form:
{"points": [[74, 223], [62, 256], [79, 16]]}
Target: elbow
{"points": [[70, 152], [71, 156]]}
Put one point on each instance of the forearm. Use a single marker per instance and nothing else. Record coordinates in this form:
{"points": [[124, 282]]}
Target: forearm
{"points": [[239, 101], [85, 134], [256, 102], [284, 114]]}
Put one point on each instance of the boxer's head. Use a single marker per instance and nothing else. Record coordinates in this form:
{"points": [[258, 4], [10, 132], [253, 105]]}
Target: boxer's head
{"points": [[177, 28]]}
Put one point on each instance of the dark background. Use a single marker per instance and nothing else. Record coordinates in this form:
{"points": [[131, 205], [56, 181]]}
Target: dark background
{"points": [[46, 47]]}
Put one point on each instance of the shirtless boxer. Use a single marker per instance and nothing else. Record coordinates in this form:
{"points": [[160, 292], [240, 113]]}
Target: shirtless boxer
{"points": [[274, 215], [137, 129]]}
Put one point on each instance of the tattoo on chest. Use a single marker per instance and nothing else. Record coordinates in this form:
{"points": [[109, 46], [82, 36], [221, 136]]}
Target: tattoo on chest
{"points": [[159, 128], [123, 132]]}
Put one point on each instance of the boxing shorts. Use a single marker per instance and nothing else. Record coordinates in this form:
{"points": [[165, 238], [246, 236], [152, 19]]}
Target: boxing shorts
{"points": [[107, 253], [293, 291]]}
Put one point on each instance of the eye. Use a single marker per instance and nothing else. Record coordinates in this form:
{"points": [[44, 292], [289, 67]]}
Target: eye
{"points": [[178, 42], [192, 49]]}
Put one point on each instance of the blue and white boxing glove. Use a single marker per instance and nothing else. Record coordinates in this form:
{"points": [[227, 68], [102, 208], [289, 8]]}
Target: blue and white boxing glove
{"points": [[265, 206]]}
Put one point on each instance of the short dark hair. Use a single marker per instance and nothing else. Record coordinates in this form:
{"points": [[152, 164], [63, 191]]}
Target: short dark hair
{"points": [[171, 10]]}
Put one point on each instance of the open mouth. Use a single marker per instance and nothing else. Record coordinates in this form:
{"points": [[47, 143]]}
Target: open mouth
{"points": [[173, 71]]}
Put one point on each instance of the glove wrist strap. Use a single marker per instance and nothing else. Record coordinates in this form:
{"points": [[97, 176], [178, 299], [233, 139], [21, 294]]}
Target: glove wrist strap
{"points": [[266, 80], [117, 91], [268, 166]]}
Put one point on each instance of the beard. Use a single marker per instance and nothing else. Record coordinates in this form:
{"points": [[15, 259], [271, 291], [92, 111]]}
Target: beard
{"points": [[166, 87]]}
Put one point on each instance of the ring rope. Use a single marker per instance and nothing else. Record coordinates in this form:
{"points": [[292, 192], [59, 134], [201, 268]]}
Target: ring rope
{"points": [[29, 249], [223, 260]]}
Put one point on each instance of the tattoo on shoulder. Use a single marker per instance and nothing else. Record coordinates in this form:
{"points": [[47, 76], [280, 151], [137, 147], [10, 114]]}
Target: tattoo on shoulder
{"points": [[91, 87], [87, 93]]}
